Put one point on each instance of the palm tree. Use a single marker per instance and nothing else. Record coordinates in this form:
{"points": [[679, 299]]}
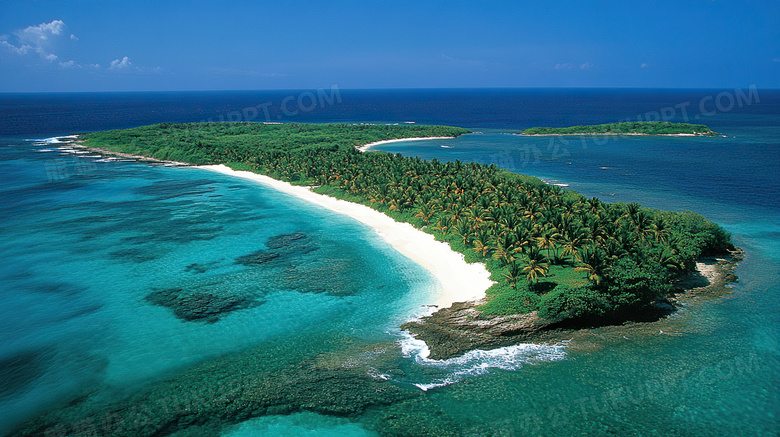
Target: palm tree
{"points": [[463, 228], [380, 194], [632, 209], [425, 213], [535, 267], [660, 228], [457, 210], [513, 274], [597, 233], [523, 239], [595, 207], [613, 250], [508, 217], [592, 263], [477, 214], [548, 241], [532, 212], [642, 225], [443, 225], [482, 241], [397, 201], [504, 249], [669, 260], [576, 239]]}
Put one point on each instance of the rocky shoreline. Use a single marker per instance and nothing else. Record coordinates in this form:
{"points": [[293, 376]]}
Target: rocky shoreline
{"points": [[74, 143], [453, 331]]}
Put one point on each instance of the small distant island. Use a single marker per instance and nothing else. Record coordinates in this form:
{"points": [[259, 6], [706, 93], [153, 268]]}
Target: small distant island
{"points": [[657, 128], [554, 256]]}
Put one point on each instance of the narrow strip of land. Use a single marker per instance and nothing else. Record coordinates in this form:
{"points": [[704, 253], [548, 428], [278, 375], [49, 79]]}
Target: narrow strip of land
{"points": [[555, 254], [654, 128], [365, 147]]}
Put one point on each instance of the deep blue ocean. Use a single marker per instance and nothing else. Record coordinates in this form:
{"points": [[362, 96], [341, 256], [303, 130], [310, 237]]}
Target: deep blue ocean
{"points": [[87, 241]]}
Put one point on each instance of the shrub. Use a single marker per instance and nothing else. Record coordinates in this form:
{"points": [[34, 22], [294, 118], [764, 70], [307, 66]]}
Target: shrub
{"points": [[565, 302]]}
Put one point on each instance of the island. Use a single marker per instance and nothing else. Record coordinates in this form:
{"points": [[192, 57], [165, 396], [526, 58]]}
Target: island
{"points": [[555, 257], [657, 128], [545, 263]]}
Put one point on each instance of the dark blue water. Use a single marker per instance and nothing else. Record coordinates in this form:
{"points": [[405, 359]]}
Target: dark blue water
{"points": [[48, 114], [85, 241]]}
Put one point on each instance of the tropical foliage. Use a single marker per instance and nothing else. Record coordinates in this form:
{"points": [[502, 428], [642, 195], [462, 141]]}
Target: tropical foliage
{"points": [[636, 127], [548, 249], [203, 143]]}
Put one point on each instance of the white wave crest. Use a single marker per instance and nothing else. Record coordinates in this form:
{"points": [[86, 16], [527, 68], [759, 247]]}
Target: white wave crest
{"points": [[53, 140], [478, 362]]}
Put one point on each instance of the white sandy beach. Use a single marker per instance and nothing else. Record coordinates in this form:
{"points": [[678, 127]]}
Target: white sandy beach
{"points": [[459, 280], [365, 147]]}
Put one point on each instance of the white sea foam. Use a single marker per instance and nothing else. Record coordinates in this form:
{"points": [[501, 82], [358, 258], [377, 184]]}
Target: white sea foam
{"points": [[478, 362], [55, 140], [555, 182]]}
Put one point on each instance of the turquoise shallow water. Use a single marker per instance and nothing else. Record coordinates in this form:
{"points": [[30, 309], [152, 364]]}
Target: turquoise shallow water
{"points": [[83, 253], [712, 368], [299, 425], [86, 251], [85, 243]]}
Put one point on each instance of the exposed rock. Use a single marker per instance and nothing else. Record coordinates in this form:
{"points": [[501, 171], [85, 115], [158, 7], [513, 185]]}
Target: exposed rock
{"points": [[456, 330], [462, 327], [712, 275]]}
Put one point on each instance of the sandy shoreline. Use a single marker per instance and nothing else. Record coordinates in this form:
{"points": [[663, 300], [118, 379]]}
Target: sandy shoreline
{"points": [[459, 281], [365, 147]]}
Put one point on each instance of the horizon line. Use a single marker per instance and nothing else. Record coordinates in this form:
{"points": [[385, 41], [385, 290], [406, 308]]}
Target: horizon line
{"points": [[388, 89]]}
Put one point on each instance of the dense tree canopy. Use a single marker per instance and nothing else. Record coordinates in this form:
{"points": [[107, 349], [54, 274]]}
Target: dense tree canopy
{"points": [[202, 143], [631, 127], [549, 249]]}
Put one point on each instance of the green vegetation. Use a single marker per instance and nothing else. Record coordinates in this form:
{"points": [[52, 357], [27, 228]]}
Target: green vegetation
{"points": [[625, 128], [208, 143], [548, 249]]}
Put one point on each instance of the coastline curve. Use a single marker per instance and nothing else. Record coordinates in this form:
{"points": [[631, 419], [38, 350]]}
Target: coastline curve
{"points": [[365, 147], [459, 281]]}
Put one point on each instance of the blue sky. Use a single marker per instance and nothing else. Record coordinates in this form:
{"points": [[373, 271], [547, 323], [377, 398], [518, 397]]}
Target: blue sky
{"points": [[198, 45]]}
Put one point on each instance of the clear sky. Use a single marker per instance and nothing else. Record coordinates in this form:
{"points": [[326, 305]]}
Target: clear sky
{"points": [[105, 45]]}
